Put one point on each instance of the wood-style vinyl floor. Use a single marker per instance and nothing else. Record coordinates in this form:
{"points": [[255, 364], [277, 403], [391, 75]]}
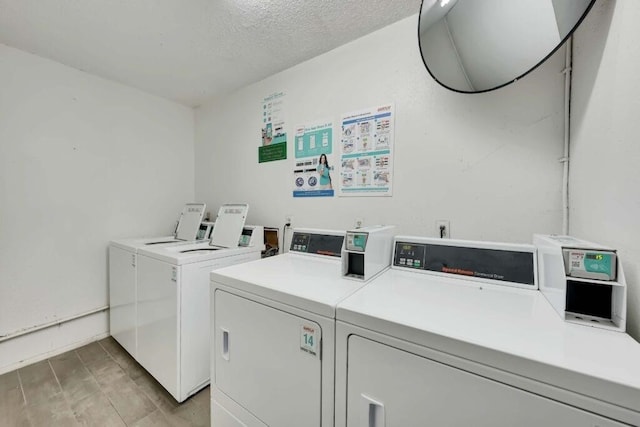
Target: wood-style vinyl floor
{"points": [[96, 385]]}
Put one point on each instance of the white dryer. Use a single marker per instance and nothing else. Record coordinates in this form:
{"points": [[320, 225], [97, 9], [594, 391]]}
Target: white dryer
{"points": [[439, 339], [173, 300], [123, 254], [273, 326]]}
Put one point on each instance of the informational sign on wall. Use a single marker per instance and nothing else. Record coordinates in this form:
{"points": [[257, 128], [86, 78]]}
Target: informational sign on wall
{"points": [[313, 172], [366, 152], [274, 138]]}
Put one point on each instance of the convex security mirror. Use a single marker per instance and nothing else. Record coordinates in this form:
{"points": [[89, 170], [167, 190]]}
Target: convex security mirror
{"points": [[480, 45]]}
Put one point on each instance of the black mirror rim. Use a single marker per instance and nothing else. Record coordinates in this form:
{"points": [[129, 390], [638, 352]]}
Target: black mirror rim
{"points": [[562, 42]]}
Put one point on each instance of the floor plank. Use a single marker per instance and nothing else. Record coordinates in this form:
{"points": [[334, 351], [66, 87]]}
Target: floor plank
{"points": [[99, 384]]}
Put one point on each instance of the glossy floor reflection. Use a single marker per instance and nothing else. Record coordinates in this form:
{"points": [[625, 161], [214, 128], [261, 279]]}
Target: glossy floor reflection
{"points": [[96, 385]]}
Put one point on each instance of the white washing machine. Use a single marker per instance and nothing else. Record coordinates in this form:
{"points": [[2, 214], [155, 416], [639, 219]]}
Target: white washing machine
{"points": [[440, 340], [173, 300], [273, 326], [123, 255]]}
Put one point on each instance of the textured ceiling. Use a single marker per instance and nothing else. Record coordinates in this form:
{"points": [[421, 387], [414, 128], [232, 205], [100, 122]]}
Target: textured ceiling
{"points": [[190, 50]]}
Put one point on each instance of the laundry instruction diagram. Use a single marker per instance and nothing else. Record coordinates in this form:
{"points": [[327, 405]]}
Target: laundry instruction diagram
{"points": [[366, 152]]}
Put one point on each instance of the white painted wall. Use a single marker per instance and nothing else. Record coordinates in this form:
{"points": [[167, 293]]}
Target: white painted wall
{"points": [[605, 151], [487, 162], [82, 161]]}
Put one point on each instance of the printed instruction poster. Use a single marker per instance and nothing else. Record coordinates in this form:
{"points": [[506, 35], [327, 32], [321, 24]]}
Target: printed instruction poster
{"points": [[366, 152], [313, 173], [274, 138]]}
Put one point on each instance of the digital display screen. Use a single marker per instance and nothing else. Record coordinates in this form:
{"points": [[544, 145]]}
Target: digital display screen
{"points": [[409, 255], [300, 242], [245, 236], [357, 241], [202, 232]]}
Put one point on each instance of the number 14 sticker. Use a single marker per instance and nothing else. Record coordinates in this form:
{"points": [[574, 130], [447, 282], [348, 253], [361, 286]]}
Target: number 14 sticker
{"points": [[309, 338]]}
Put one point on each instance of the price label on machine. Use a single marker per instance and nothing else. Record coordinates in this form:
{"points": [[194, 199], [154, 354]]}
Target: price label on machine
{"points": [[590, 264], [309, 339]]}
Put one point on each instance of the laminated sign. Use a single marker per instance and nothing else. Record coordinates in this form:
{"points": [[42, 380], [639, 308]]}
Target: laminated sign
{"points": [[309, 339]]}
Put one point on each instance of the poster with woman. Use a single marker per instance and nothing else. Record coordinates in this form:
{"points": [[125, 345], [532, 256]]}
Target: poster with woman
{"points": [[314, 161]]}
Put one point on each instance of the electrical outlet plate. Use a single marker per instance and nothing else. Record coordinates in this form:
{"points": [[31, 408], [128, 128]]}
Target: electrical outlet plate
{"points": [[443, 233], [359, 222]]}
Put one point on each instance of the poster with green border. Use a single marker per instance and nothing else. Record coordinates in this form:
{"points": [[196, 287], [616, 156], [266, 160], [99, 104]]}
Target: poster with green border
{"points": [[274, 138], [270, 153]]}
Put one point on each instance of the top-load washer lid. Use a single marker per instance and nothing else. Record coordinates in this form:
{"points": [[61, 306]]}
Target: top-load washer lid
{"points": [[162, 241], [190, 220], [229, 225], [207, 249], [194, 253], [133, 244]]}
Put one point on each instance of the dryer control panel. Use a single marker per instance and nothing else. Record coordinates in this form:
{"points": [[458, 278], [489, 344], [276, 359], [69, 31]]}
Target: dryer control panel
{"points": [[318, 244], [512, 265]]}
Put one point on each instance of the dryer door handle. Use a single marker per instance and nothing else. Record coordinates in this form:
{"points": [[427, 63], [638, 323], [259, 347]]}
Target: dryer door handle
{"points": [[372, 412], [225, 344]]}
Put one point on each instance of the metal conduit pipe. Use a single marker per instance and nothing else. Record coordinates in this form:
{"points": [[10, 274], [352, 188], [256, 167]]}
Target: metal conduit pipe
{"points": [[56, 322], [568, 60]]}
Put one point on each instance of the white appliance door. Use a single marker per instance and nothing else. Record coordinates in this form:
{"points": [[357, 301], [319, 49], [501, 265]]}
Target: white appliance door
{"points": [[265, 361], [229, 224], [190, 220], [388, 387], [158, 321], [122, 297]]}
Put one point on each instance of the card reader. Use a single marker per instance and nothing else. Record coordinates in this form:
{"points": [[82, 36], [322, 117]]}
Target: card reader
{"points": [[590, 264]]}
